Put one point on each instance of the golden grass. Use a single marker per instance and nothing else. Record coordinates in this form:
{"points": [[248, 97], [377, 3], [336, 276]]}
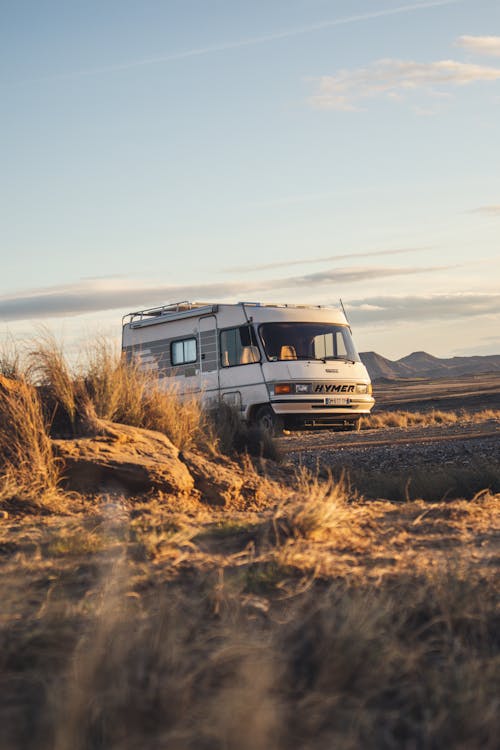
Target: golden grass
{"points": [[395, 645], [28, 468], [315, 510], [49, 369], [426, 419], [104, 386], [11, 362]]}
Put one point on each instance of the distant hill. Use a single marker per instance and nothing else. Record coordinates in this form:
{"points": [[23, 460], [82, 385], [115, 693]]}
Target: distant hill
{"points": [[423, 365]]}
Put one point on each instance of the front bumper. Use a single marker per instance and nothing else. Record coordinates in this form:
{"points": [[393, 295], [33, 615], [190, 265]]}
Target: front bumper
{"points": [[322, 412]]}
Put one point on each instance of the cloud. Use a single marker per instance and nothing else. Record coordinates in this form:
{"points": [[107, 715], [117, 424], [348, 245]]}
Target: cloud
{"points": [[493, 210], [347, 275], [256, 40], [419, 308], [324, 259], [392, 78], [480, 45], [482, 346], [90, 296]]}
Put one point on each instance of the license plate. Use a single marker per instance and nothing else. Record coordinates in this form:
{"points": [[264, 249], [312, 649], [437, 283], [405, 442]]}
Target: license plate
{"points": [[337, 401]]}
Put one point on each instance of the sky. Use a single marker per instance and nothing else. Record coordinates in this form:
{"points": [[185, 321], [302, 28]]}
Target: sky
{"points": [[292, 151]]}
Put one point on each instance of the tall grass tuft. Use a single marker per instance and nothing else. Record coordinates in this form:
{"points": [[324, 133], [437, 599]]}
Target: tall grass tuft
{"points": [[11, 364], [105, 386], [48, 368], [27, 465], [315, 510], [123, 392]]}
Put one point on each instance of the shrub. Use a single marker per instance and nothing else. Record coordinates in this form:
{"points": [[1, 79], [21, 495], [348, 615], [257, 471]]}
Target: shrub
{"points": [[231, 435], [27, 465], [315, 510], [424, 419]]}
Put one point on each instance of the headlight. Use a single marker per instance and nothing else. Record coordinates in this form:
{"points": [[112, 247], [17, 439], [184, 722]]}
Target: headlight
{"points": [[363, 388], [302, 388]]}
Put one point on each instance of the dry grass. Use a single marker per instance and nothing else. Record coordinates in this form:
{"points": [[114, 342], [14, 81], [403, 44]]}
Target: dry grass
{"points": [[178, 648], [11, 361], [315, 510], [426, 419], [28, 468], [229, 434], [121, 392], [49, 369], [104, 386]]}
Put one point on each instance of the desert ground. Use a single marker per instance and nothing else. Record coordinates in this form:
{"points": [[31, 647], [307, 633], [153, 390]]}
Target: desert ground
{"points": [[424, 439], [168, 583]]}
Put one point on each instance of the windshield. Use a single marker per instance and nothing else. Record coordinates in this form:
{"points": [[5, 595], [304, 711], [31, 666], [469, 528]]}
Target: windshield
{"points": [[323, 341]]}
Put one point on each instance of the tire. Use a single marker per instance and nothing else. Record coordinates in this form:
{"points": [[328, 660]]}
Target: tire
{"points": [[268, 421]]}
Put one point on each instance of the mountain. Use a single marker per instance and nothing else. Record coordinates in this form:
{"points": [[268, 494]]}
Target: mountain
{"points": [[381, 367], [423, 365]]}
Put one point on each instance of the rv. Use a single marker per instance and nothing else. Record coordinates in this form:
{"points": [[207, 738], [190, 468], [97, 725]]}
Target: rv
{"points": [[280, 366]]}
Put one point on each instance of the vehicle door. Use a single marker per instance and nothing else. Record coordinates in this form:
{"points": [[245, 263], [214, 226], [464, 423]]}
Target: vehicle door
{"points": [[240, 378]]}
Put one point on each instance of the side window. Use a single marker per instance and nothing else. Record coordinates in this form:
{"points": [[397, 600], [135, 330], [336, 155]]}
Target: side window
{"points": [[183, 352], [238, 346]]}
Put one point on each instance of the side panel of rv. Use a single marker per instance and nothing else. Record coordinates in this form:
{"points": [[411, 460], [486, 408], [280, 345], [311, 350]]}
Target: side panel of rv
{"points": [[171, 348], [212, 354]]}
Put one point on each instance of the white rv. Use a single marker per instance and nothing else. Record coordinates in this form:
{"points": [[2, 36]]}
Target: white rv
{"points": [[280, 366]]}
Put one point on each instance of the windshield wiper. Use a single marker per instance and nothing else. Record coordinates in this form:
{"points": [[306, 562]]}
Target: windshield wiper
{"points": [[309, 359], [343, 359]]}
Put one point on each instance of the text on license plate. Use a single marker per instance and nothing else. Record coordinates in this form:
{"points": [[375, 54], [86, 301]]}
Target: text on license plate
{"points": [[337, 401]]}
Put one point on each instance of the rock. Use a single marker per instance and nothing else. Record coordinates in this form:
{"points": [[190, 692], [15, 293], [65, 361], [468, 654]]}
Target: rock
{"points": [[123, 459], [218, 484], [223, 482]]}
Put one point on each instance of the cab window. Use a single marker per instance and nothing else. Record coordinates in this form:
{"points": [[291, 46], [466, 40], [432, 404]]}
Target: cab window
{"points": [[238, 346]]}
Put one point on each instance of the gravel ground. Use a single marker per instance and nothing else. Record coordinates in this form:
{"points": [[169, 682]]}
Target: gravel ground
{"points": [[396, 449]]}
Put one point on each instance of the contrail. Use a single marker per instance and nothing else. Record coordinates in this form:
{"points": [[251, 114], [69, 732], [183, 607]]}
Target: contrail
{"points": [[263, 38]]}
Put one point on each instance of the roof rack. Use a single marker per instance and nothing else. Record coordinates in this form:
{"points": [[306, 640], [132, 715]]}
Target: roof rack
{"points": [[281, 304], [172, 308], [185, 308]]}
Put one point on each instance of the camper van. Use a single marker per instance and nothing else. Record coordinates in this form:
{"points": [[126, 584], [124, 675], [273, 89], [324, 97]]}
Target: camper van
{"points": [[280, 366]]}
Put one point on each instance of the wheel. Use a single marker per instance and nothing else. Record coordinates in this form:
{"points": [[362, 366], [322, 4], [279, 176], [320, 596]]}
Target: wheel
{"points": [[268, 421]]}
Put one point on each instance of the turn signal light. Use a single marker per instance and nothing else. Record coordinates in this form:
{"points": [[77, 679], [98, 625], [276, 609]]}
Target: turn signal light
{"points": [[281, 388]]}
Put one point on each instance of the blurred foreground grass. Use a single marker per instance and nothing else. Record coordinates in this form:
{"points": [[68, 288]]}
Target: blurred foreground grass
{"points": [[331, 623]]}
